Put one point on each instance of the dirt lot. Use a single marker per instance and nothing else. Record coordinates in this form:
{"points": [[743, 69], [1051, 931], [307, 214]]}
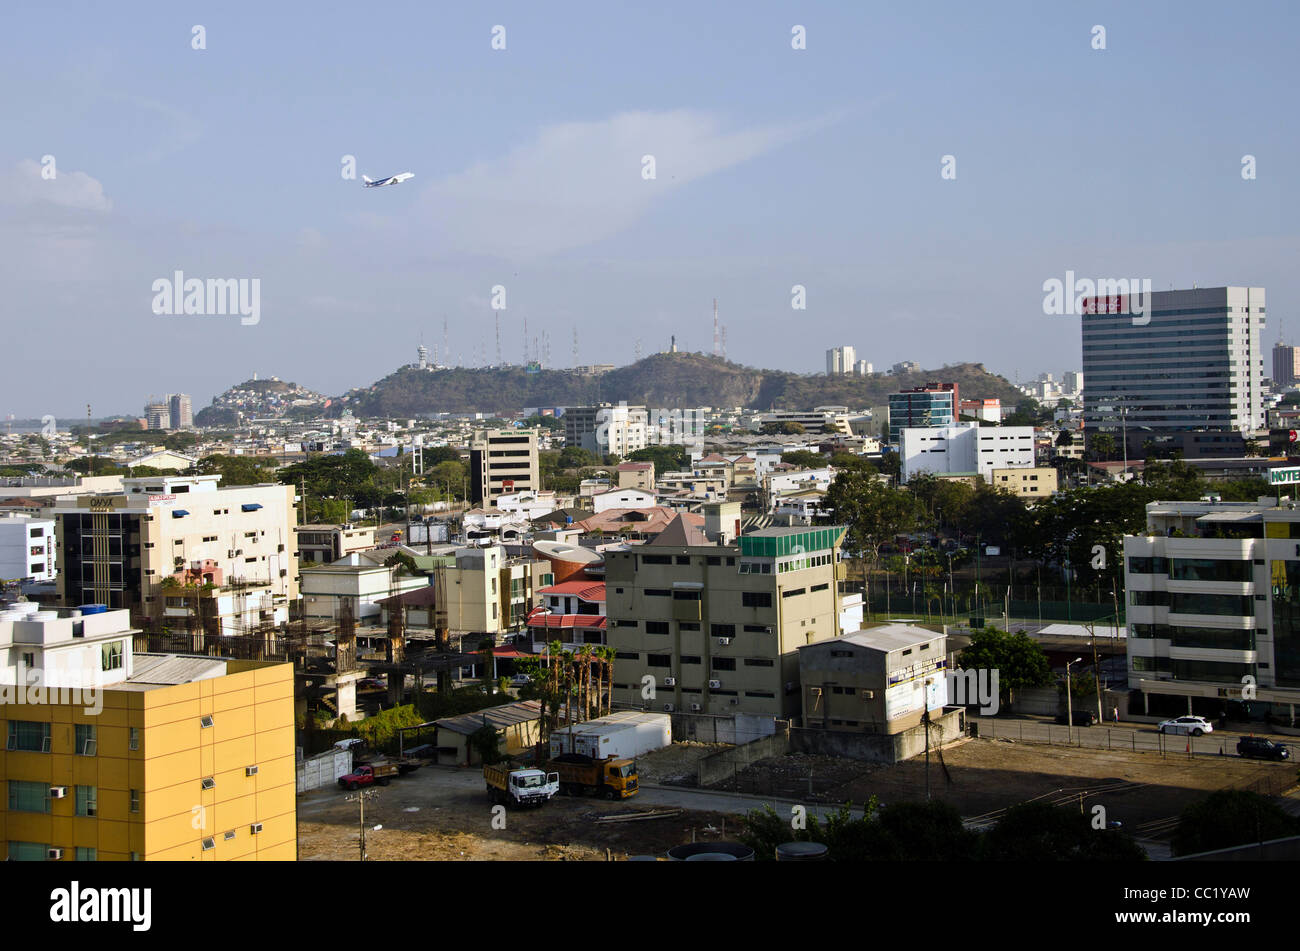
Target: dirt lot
{"points": [[675, 765], [443, 814], [1142, 790]]}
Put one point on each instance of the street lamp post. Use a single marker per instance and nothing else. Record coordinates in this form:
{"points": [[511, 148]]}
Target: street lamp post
{"points": [[1069, 703]]}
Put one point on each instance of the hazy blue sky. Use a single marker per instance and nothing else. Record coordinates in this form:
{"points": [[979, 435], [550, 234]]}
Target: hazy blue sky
{"points": [[774, 167]]}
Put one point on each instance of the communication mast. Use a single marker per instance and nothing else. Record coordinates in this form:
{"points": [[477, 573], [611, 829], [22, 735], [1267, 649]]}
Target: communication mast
{"points": [[717, 336]]}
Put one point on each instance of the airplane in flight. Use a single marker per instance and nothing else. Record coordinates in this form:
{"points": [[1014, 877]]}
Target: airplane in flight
{"points": [[391, 180]]}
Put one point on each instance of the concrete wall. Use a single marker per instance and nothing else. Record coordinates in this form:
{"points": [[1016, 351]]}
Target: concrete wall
{"points": [[323, 769], [707, 728], [725, 764], [880, 748]]}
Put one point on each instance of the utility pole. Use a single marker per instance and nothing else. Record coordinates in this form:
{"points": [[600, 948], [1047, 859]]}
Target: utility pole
{"points": [[360, 799]]}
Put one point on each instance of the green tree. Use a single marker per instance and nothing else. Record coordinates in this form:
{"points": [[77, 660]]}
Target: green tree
{"points": [[1042, 832], [1231, 817], [236, 470], [665, 458], [873, 512], [804, 459], [1101, 446], [1017, 658], [575, 457]]}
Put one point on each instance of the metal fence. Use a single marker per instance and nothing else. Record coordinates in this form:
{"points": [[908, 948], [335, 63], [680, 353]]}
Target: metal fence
{"points": [[1102, 737]]}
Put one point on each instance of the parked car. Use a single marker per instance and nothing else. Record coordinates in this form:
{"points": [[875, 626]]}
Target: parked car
{"points": [[1081, 718], [372, 683], [1256, 747], [1193, 725]]}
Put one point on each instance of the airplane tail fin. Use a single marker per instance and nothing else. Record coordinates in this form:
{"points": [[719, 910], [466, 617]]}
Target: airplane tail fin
{"points": [[367, 179]]}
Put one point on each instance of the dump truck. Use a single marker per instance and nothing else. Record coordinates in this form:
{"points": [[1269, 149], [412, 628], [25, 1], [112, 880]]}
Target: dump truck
{"points": [[519, 786], [377, 774], [609, 778]]}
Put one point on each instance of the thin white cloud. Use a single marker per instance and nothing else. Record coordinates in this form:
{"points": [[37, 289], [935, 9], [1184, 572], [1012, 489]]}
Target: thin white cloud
{"points": [[24, 184], [579, 182]]}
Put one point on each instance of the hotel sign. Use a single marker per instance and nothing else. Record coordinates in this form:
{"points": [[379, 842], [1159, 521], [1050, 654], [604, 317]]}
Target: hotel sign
{"points": [[1284, 476]]}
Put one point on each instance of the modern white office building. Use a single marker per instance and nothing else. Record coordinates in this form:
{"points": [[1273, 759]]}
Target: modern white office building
{"points": [[1192, 361], [502, 462], [1214, 608], [967, 449], [606, 429]]}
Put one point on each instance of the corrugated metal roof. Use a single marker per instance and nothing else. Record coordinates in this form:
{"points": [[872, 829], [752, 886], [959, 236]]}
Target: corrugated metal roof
{"points": [[508, 714], [174, 668]]}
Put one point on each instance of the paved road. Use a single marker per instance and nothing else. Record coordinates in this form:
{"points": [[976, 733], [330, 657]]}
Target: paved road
{"points": [[1138, 737]]}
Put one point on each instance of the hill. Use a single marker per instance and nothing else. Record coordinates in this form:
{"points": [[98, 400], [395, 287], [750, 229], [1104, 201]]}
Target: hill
{"points": [[254, 399], [660, 380]]}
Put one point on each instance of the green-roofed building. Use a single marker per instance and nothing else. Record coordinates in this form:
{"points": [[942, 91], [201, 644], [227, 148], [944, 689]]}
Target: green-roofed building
{"points": [[719, 627]]}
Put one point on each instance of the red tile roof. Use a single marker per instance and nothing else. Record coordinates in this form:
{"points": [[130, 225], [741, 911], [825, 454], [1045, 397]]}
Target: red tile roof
{"points": [[586, 590], [592, 621]]}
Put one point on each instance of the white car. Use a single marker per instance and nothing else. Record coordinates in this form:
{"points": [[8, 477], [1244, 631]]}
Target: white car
{"points": [[1193, 725]]}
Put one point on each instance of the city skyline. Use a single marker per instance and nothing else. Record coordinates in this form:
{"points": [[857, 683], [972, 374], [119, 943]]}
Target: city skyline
{"points": [[775, 168]]}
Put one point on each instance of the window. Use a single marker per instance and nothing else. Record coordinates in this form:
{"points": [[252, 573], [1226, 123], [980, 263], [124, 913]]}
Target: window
{"points": [[683, 559], [28, 852], [28, 797], [658, 593], [28, 736], [793, 592], [625, 623], [723, 663], [690, 659], [722, 630], [111, 656], [86, 743], [688, 625], [656, 559], [209, 538], [759, 662], [627, 655], [656, 627], [820, 587], [756, 629], [658, 660], [713, 560], [207, 782], [86, 801], [756, 599], [209, 844], [686, 595], [230, 835], [205, 722], [85, 854], [135, 800]]}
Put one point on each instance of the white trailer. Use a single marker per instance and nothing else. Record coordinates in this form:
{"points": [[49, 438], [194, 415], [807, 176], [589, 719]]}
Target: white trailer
{"points": [[623, 735]]}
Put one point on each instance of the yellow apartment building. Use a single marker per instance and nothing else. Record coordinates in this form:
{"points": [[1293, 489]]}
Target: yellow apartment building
{"points": [[115, 755]]}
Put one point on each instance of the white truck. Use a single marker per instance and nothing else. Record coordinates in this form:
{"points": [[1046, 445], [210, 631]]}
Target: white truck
{"points": [[623, 735], [518, 786]]}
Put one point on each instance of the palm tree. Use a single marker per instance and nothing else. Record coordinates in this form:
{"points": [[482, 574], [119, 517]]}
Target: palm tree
{"points": [[585, 658]]}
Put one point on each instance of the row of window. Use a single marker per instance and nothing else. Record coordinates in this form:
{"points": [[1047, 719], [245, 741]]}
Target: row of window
{"points": [[715, 630], [761, 694], [41, 852], [36, 797], [716, 663]]}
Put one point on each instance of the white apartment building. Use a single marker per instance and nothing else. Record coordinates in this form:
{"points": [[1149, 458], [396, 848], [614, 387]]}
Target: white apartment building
{"points": [[606, 428], [27, 548], [841, 361], [1214, 608], [965, 449], [120, 548], [778, 485]]}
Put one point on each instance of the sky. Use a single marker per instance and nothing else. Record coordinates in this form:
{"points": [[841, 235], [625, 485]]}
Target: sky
{"points": [[773, 167]]}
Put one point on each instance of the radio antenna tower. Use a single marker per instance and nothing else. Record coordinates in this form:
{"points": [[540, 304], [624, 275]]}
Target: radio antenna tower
{"points": [[525, 341], [497, 314], [546, 348], [724, 341], [638, 350], [575, 347], [717, 337], [446, 351]]}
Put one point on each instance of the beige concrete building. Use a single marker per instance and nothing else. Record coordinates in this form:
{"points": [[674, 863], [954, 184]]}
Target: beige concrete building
{"points": [[502, 462], [324, 544], [120, 548], [1036, 483], [489, 592], [636, 475], [880, 680], [719, 627]]}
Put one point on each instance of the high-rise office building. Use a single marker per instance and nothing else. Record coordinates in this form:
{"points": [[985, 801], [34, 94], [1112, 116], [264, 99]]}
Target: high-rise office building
{"points": [[1286, 365], [502, 461], [158, 415], [181, 411], [935, 404], [1191, 361], [841, 361]]}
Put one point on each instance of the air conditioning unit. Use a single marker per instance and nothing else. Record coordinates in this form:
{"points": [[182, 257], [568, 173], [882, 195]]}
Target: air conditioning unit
{"points": [[670, 681], [769, 629], [669, 708], [255, 828], [54, 854], [723, 641], [230, 553], [715, 684], [250, 770], [58, 792], [868, 695], [734, 701], [695, 707]]}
